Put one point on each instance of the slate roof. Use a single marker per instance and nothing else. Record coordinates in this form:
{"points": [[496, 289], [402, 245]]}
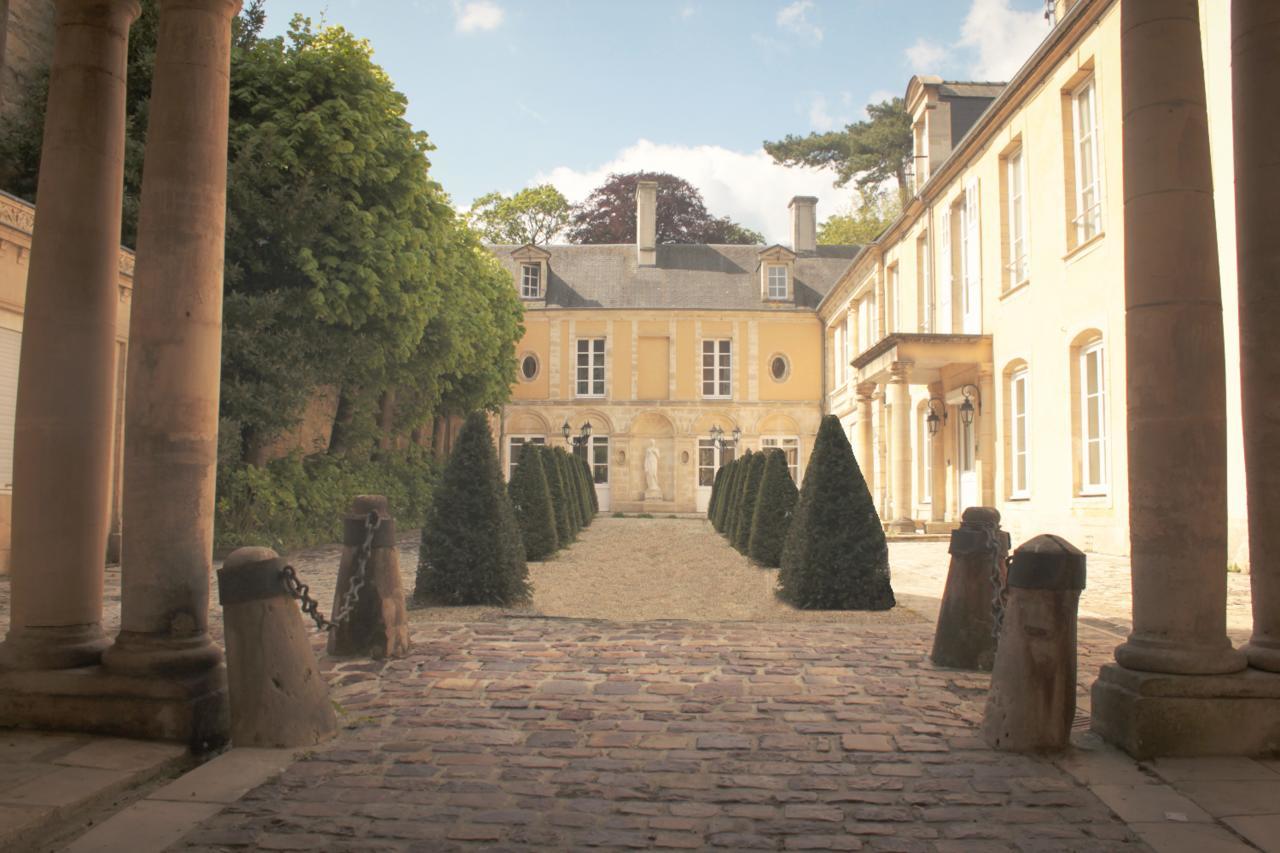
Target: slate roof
{"points": [[969, 89], [685, 277]]}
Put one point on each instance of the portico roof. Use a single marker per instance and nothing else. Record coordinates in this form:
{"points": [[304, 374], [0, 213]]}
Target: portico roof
{"points": [[923, 356]]}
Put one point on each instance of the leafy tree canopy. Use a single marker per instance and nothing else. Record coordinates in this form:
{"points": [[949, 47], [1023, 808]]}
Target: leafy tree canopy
{"points": [[608, 215], [871, 214], [868, 152], [533, 215]]}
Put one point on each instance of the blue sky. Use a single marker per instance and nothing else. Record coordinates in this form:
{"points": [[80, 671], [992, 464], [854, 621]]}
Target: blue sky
{"points": [[516, 92]]}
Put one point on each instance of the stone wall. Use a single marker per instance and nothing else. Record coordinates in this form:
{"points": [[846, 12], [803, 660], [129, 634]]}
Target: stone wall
{"points": [[28, 46]]}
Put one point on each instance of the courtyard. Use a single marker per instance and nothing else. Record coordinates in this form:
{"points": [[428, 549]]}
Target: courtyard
{"points": [[654, 694]]}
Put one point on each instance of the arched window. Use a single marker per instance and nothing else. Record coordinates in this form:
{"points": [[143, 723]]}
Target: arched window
{"points": [[1089, 414], [1017, 443]]}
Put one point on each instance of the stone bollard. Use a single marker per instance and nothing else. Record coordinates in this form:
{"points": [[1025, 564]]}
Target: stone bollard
{"points": [[378, 625], [1032, 701], [278, 697], [965, 634]]}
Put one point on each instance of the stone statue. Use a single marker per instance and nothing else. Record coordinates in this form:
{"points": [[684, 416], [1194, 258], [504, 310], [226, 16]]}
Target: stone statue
{"points": [[651, 469]]}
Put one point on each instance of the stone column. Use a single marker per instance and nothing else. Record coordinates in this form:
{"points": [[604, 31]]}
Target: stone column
{"points": [[1255, 31], [900, 464], [1177, 445], [862, 433], [174, 351], [985, 423], [63, 430]]}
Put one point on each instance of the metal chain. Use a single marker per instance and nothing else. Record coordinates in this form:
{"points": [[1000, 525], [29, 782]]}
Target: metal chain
{"points": [[999, 579], [299, 590]]}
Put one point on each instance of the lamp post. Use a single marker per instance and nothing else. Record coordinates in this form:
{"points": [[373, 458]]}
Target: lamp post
{"points": [[717, 435], [935, 421], [576, 441]]}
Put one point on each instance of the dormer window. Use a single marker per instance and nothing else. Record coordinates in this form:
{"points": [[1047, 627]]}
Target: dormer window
{"points": [[778, 287], [530, 281]]}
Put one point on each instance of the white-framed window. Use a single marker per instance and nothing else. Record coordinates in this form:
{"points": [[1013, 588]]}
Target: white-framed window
{"points": [[717, 368], [516, 445], [530, 281], [895, 300], [971, 257], [1015, 180], [788, 444], [600, 459], [777, 277], [590, 367], [1085, 135], [1093, 419], [1020, 461], [924, 270], [711, 459]]}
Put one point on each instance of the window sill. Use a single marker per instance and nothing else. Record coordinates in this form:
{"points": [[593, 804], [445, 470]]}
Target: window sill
{"points": [[1022, 285], [588, 396], [716, 397], [1097, 495], [1084, 248], [1023, 498]]}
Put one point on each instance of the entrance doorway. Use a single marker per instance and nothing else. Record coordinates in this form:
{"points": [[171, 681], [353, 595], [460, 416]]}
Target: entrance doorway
{"points": [[967, 456], [599, 460], [711, 457]]}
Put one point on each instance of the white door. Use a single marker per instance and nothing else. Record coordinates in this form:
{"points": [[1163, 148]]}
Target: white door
{"points": [[710, 459], [967, 454], [600, 469], [971, 286]]}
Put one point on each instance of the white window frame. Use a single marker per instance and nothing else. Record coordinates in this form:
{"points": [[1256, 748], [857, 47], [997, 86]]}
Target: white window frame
{"points": [[590, 376], [1019, 439], [1019, 252], [514, 441], [971, 261], [925, 272], [598, 442], [530, 273], [1094, 482], [787, 444], [723, 455], [894, 298], [720, 363], [773, 274], [1086, 147]]}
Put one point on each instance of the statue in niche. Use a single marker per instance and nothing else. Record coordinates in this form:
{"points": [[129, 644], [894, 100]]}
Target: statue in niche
{"points": [[651, 470]]}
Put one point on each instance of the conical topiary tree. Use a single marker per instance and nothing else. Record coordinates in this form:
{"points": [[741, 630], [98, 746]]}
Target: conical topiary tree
{"points": [[835, 556], [555, 484], [572, 491], [591, 487], [583, 478], [747, 509], [725, 510], [471, 551], [775, 506], [715, 492], [531, 502], [735, 498]]}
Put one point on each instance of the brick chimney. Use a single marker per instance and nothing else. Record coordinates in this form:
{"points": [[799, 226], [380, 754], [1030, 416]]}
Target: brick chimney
{"points": [[804, 224], [647, 223]]}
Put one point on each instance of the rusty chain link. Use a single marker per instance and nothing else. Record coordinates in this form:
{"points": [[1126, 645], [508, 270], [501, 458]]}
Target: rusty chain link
{"points": [[999, 579], [300, 591]]}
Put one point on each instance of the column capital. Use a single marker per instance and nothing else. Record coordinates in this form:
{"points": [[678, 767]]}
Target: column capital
{"points": [[866, 391], [900, 371], [87, 11]]}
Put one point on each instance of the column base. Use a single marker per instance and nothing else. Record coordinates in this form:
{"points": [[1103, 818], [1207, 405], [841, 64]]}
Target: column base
{"points": [[1150, 714], [190, 710], [1149, 654], [151, 655], [901, 526], [56, 647], [1263, 654]]}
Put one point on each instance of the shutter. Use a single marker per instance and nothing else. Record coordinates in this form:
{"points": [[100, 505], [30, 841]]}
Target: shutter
{"points": [[944, 274], [10, 349]]}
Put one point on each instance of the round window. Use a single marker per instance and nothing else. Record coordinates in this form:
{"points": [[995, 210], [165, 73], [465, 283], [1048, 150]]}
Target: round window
{"points": [[779, 368], [529, 367]]}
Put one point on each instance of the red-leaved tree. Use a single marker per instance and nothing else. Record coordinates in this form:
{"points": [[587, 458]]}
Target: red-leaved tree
{"points": [[608, 215]]}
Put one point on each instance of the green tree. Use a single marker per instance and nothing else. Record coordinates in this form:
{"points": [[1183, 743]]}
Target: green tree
{"points": [[716, 493], [608, 215], [774, 509], [471, 552], [747, 508], [591, 487], [736, 498], [870, 151], [572, 489], [565, 530], [835, 556], [724, 505], [533, 215], [531, 501], [874, 212]]}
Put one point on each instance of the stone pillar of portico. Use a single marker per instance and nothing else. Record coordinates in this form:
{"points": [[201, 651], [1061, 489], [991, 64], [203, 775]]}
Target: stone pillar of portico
{"points": [[63, 430], [900, 464], [862, 433], [1255, 64], [174, 352]]}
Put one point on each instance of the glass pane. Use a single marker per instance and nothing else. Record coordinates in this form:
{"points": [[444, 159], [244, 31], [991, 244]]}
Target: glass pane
{"points": [[1022, 472], [706, 456], [598, 345], [708, 347], [709, 388], [598, 389], [1091, 372], [1094, 474], [1092, 419], [724, 374]]}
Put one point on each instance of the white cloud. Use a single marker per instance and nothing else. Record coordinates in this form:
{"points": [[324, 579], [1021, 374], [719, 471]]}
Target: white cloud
{"points": [[477, 15], [925, 56], [1002, 38], [820, 119], [748, 187], [688, 11], [795, 17]]}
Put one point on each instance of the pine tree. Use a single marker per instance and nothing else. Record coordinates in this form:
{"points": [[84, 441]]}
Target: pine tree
{"points": [[747, 509], [555, 484], [835, 556], [736, 497], [774, 509], [572, 500], [531, 501], [471, 551], [591, 487], [715, 492]]}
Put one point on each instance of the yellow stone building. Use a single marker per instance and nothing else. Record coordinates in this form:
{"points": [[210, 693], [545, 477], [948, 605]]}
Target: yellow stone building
{"points": [[657, 346]]}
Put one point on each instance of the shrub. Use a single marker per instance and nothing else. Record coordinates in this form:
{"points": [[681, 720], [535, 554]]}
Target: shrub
{"points": [[591, 487], [531, 502], [471, 550], [835, 556], [775, 506], [736, 497], [582, 476], [721, 520], [555, 483], [572, 490], [747, 506], [716, 486]]}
